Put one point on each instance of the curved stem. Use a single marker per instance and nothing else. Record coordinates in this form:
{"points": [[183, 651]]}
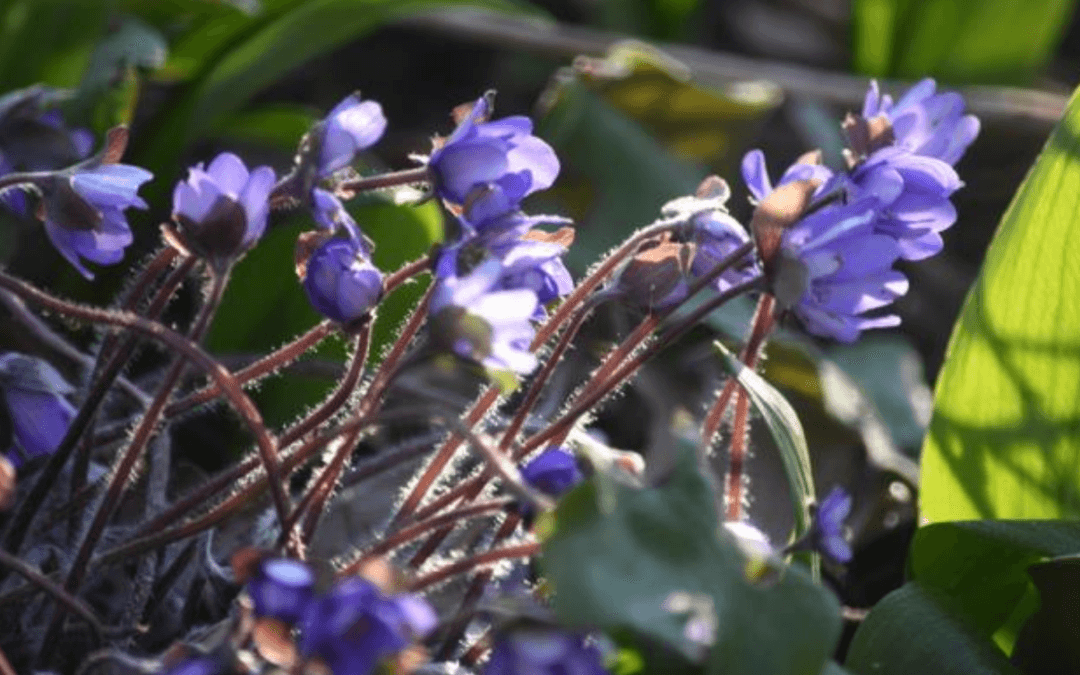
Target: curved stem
{"points": [[266, 365], [54, 589]]}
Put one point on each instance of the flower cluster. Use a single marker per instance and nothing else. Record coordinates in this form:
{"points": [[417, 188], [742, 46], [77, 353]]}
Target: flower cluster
{"points": [[829, 239], [352, 627], [336, 269], [496, 277]]}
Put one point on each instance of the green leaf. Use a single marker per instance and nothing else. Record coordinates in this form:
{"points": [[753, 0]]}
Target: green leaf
{"points": [[130, 44], [1003, 439], [959, 40], [982, 565], [916, 630], [279, 126], [264, 54], [786, 430], [651, 561]]}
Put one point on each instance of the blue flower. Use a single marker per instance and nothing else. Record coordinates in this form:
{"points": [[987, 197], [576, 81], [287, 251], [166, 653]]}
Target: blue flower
{"points": [[833, 268], [473, 318], [755, 174], [924, 122], [34, 399], [503, 153], [354, 626], [553, 472], [353, 125], [341, 281], [221, 210], [282, 588], [716, 236], [544, 652], [912, 192], [828, 529], [83, 209]]}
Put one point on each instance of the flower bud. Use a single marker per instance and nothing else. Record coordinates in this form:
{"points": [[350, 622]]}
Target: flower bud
{"points": [[341, 282], [33, 397]]}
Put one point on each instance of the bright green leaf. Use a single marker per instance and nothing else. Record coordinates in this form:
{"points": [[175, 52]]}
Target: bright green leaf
{"points": [[1004, 439], [959, 40]]}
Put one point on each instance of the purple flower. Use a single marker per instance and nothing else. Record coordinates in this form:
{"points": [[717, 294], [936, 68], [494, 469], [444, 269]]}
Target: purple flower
{"points": [[84, 211], [756, 174], [828, 528], [553, 472], [503, 153], [717, 235], [833, 267], [544, 652], [924, 122], [353, 125], [331, 214], [473, 318], [39, 414], [355, 626], [913, 196], [341, 281], [490, 213], [221, 210], [282, 589]]}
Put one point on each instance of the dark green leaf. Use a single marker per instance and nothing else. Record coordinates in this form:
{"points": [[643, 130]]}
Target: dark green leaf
{"points": [[1003, 440], [650, 560], [982, 565], [916, 630]]}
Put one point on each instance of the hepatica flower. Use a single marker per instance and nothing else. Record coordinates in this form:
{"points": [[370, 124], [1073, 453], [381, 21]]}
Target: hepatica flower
{"points": [[925, 122], [472, 318], [282, 588], [503, 152], [827, 532], [341, 281], [83, 210], [544, 652], [829, 266], [354, 626], [553, 472], [221, 210], [353, 125], [35, 405]]}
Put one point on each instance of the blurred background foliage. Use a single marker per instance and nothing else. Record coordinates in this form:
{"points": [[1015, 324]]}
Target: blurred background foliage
{"points": [[641, 99]]}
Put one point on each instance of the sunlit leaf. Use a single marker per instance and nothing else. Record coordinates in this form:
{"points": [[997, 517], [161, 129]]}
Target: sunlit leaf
{"points": [[963, 41], [1003, 439]]}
